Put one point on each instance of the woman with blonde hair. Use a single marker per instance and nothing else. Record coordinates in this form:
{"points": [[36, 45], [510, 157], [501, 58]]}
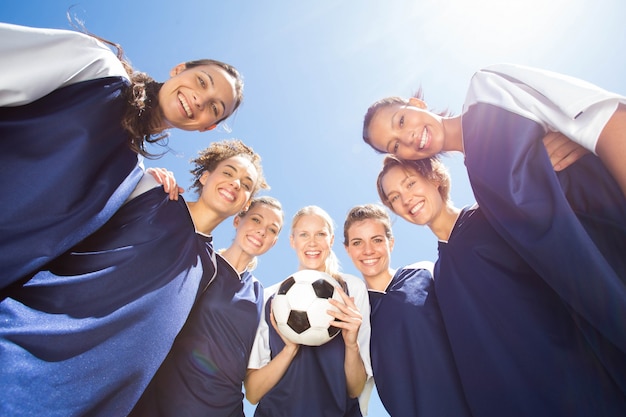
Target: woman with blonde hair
{"points": [[335, 372]]}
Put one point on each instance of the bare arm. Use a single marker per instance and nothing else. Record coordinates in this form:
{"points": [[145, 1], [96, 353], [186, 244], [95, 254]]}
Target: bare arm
{"points": [[349, 320], [611, 147], [258, 382]]}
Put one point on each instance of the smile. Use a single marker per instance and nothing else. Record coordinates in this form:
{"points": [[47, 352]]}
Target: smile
{"points": [[424, 138], [228, 195], [255, 241], [416, 208], [183, 102]]}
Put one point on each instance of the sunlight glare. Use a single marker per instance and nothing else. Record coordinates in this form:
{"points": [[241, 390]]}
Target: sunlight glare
{"points": [[496, 26]]}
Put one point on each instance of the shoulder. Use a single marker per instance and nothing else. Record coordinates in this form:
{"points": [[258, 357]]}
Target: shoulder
{"points": [[427, 265], [353, 281], [271, 290], [38, 61]]}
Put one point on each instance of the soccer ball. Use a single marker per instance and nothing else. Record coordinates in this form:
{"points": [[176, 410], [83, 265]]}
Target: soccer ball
{"points": [[300, 307]]}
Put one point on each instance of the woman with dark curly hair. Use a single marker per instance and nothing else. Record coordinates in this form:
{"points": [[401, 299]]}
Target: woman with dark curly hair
{"points": [[74, 117], [86, 335], [203, 373]]}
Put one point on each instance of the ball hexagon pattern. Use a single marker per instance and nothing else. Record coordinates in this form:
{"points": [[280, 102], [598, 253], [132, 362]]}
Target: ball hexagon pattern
{"points": [[300, 307]]}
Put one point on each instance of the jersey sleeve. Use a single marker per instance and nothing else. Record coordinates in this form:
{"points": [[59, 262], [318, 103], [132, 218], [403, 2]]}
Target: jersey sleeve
{"points": [[261, 353], [576, 108], [523, 199], [37, 61]]}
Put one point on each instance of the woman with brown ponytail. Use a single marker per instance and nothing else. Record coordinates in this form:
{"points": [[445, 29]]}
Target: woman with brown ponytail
{"points": [[75, 119]]}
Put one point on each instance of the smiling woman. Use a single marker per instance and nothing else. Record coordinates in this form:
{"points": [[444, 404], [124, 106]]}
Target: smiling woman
{"points": [[96, 317], [199, 95], [486, 286], [313, 67], [104, 113], [204, 350]]}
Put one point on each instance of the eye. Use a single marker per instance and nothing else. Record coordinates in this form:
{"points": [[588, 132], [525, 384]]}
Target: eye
{"points": [[247, 186], [392, 199], [401, 121], [410, 184], [378, 240], [256, 220], [201, 82], [356, 243], [395, 147], [273, 231], [215, 109], [228, 173]]}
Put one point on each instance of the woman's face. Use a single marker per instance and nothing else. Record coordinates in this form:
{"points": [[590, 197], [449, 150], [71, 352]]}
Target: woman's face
{"points": [[257, 230], [312, 240], [197, 98], [412, 197], [407, 131], [229, 187], [369, 248]]}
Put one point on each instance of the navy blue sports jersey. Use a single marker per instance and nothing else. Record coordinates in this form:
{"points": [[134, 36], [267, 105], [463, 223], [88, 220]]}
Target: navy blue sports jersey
{"points": [[85, 336], [518, 350], [570, 226], [313, 385], [204, 372], [414, 370], [65, 168]]}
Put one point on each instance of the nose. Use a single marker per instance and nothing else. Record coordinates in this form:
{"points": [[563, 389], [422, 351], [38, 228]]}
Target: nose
{"points": [[368, 248], [200, 99], [236, 182], [405, 198], [407, 138]]}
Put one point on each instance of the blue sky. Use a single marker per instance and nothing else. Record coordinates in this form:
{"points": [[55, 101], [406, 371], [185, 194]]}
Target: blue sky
{"points": [[311, 69]]}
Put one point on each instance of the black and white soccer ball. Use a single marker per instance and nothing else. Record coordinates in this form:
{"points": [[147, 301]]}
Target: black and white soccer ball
{"points": [[300, 307]]}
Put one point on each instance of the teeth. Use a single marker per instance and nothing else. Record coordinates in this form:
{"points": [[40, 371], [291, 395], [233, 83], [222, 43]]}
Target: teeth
{"points": [[424, 138], [182, 100], [417, 207], [228, 195], [311, 253], [369, 261]]}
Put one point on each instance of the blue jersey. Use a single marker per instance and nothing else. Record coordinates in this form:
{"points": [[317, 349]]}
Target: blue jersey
{"points": [[85, 336], [518, 350], [204, 372], [414, 370], [313, 385], [65, 167], [569, 226]]}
